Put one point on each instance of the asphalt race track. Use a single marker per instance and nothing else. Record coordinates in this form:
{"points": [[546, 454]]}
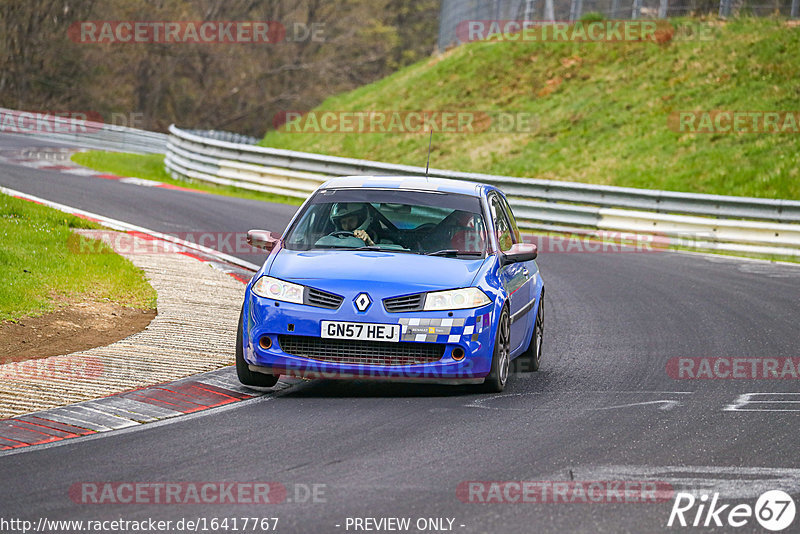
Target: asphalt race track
{"points": [[603, 407]]}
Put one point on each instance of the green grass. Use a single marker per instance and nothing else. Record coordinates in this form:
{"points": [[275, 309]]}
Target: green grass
{"points": [[147, 166], [602, 110], [151, 167], [39, 267]]}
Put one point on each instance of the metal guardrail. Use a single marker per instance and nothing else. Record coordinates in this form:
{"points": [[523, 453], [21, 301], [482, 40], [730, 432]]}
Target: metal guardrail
{"points": [[79, 133], [728, 223], [230, 137], [706, 221]]}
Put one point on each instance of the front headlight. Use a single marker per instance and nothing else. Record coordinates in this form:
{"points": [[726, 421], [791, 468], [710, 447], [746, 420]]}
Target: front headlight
{"points": [[272, 288], [456, 299]]}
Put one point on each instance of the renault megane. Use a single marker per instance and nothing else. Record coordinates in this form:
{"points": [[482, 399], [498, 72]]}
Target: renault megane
{"points": [[401, 279]]}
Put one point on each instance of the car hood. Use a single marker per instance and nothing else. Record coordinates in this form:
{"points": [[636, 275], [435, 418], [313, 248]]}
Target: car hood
{"points": [[413, 270]]}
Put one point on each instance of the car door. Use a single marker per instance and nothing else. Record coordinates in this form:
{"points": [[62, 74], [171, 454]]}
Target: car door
{"points": [[515, 277], [531, 271]]}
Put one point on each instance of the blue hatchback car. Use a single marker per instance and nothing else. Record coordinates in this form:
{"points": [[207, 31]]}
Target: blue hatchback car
{"points": [[401, 279]]}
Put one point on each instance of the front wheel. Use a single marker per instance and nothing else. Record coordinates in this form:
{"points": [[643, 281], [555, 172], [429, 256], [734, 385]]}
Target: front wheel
{"points": [[501, 359], [246, 376]]}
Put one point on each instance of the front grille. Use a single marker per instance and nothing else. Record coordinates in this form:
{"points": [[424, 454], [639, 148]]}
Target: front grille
{"points": [[322, 299], [361, 352], [404, 304]]}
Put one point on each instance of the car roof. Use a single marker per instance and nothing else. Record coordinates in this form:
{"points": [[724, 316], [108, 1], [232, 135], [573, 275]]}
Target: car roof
{"points": [[417, 183]]}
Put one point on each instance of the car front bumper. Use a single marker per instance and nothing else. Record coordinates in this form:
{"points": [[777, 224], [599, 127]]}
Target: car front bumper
{"points": [[470, 330]]}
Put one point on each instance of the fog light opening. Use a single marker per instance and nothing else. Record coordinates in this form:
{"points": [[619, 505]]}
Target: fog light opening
{"points": [[265, 342], [458, 354]]}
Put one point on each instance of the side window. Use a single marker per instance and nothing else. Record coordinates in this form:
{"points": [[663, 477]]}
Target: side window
{"points": [[514, 227], [501, 224]]}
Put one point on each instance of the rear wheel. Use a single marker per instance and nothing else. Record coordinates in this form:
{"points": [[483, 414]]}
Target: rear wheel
{"points": [[246, 376], [501, 360], [533, 355]]}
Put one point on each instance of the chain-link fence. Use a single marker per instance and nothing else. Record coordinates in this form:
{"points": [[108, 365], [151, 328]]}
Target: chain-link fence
{"points": [[455, 12]]}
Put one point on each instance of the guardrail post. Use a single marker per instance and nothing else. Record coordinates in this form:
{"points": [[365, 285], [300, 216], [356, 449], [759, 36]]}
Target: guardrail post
{"points": [[575, 8], [724, 8], [795, 9], [530, 9], [636, 10], [549, 11], [662, 9]]}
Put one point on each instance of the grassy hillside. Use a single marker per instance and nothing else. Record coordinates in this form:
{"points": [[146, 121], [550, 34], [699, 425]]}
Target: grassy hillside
{"points": [[602, 110]]}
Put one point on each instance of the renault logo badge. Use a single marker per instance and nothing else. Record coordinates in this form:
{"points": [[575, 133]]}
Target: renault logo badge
{"points": [[362, 302]]}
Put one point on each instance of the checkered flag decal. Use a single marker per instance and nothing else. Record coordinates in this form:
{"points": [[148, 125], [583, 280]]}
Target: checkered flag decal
{"points": [[446, 330]]}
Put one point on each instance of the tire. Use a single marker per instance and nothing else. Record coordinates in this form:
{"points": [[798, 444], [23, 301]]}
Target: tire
{"points": [[501, 358], [533, 355], [246, 376]]}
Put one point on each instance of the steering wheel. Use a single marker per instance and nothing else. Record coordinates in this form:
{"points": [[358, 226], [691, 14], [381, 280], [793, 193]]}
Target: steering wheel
{"points": [[342, 233]]}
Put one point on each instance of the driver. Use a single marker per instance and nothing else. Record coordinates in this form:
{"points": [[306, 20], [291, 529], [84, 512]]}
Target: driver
{"points": [[352, 217]]}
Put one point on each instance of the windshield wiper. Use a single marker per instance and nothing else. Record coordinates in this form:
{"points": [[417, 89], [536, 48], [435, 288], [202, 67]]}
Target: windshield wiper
{"points": [[454, 252]]}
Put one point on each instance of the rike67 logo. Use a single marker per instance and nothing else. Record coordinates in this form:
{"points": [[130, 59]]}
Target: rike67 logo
{"points": [[774, 511]]}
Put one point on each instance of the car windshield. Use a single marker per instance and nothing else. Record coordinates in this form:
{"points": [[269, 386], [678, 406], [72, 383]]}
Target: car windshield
{"points": [[418, 222]]}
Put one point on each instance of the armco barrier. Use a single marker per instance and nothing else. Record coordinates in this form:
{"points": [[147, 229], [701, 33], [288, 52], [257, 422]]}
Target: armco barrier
{"points": [[736, 224], [81, 134]]}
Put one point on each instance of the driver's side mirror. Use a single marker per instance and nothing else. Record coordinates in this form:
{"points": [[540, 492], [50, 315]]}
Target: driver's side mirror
{"points": [[520, 252], [263, 239]]}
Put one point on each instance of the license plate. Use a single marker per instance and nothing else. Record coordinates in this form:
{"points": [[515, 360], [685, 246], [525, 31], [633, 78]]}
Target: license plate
{"points": [[360, 331]]}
